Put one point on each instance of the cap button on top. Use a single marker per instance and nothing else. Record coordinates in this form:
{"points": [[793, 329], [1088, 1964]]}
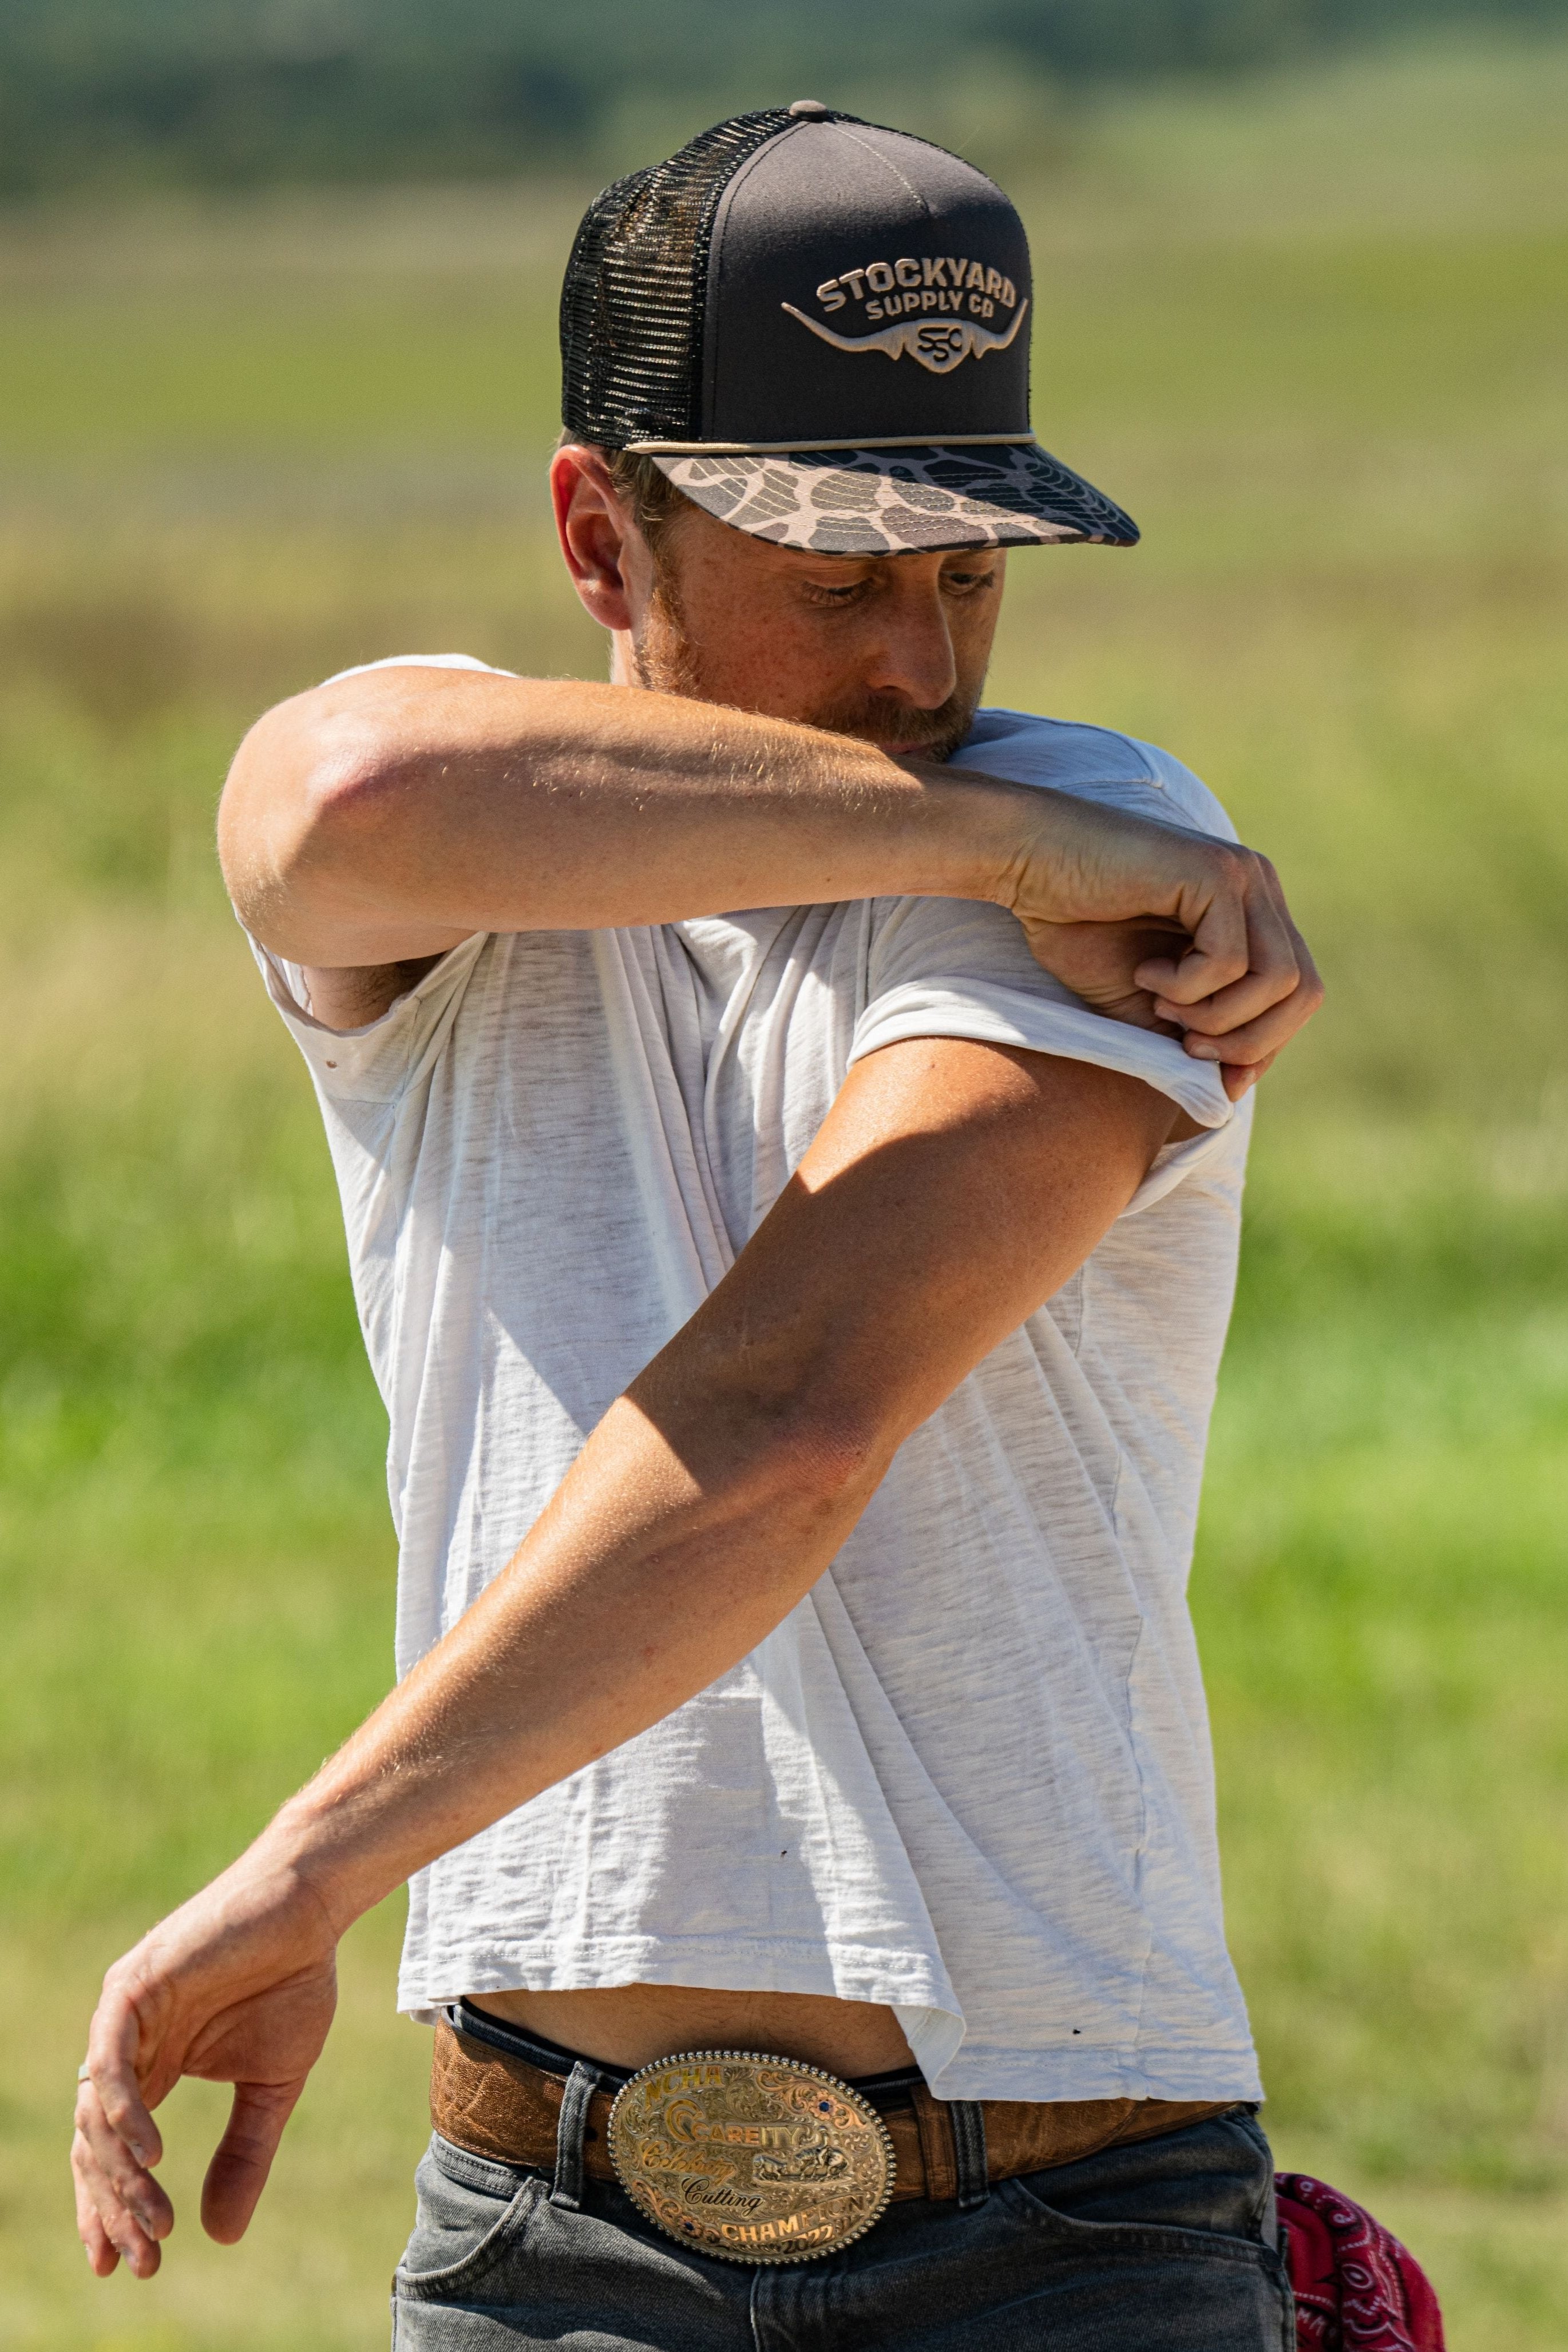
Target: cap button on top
{"points": [[809, 109]]}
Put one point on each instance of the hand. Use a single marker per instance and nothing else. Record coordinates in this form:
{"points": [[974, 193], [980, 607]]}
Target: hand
{"points": [[1167, 928], [238, 1986]]}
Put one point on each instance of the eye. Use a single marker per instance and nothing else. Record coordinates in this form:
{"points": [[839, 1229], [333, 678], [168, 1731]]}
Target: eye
{"points": [[968, 583], [835, 599]]}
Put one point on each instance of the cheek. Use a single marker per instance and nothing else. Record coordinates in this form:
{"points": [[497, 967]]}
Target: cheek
{"points": [[972, 630], [973, 621], [759, 657]]}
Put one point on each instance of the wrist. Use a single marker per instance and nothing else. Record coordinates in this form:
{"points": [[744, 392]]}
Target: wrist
{"points": [[979, 832], [316, 1851]]}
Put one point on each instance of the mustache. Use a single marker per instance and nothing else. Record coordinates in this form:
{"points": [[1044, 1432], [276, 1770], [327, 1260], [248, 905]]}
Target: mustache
{"points": [[922, 734]]}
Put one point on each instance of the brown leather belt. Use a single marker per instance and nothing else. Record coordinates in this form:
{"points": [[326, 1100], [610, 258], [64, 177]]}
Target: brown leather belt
{"points": [[497, 2105]]}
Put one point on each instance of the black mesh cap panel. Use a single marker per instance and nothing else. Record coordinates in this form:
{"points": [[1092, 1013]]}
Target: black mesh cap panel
{"points": [[635, 297]]}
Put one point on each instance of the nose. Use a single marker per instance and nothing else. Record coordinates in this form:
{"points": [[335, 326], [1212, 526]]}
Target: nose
{"points": [[913, 656]]}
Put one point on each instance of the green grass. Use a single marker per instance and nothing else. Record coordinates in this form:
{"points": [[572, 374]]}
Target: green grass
{"points": [[1312, 331]]}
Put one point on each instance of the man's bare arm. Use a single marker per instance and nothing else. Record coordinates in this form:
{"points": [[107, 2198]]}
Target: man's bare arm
{"points": [[953, 1188], [371, 824]]}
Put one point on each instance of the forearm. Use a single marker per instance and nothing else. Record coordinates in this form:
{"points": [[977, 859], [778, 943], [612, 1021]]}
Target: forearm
{"points": [[388, 816], [691, 1523], [667, 1554], [373, 825]]}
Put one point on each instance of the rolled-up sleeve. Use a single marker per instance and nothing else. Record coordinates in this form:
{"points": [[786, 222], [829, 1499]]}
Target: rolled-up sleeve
{"points": [[950, 968]]}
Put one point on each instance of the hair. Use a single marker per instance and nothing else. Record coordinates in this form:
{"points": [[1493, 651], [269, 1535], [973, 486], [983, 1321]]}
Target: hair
{"points": [[654, 500]]}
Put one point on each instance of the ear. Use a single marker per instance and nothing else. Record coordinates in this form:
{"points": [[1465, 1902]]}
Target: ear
{"points": [[603, 549]]}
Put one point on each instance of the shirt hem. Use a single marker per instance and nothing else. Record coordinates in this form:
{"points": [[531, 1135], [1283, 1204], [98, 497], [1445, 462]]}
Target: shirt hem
{"points": [[731, 1964], [1103, 2072]]}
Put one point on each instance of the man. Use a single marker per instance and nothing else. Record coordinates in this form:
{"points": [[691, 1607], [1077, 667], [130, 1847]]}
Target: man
{"points": [[798, 1329]]}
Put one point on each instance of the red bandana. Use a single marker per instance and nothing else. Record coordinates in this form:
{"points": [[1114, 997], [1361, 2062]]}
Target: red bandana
{"points": [[1357, 2289]]}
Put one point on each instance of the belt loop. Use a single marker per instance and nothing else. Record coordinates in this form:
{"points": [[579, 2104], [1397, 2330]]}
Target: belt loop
{"points": [[941, 2182], [966, 2118], [581, 2084]]}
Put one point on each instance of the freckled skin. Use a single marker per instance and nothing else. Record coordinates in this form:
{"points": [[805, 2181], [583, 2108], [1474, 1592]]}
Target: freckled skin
{"points": [[892, 649]]}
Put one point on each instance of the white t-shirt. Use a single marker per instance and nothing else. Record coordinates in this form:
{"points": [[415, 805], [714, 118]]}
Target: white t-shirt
{"points": [[969, 1776]]}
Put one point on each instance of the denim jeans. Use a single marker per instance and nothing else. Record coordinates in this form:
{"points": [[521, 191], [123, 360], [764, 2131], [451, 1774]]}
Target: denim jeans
{"points": [[1168, 2245]]}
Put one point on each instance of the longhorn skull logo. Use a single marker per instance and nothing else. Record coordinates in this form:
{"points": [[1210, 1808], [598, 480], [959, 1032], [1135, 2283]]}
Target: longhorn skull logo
{"points": [[939, 344]]}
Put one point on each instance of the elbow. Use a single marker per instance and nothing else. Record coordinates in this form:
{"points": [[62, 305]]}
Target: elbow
{"points": [[303, 788], [769, 1419], [830, 1450], [811, 1450], [346, 775]]}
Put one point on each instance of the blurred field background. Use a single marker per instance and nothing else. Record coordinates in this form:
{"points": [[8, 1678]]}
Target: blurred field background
{"points": [[1310, 323]]}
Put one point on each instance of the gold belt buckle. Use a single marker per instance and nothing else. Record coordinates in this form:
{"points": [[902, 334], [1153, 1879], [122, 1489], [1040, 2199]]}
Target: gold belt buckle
{"points": [[751, 2158]]}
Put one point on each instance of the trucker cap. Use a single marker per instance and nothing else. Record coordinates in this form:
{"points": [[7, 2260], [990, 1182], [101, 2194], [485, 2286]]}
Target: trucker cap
{"points": [[819, 328]]}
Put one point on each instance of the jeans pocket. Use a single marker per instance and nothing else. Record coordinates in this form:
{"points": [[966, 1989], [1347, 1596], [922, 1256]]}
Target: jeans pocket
{"points": [[1085, 2236], [1205, 2188], [1181, 2285], [470, 2213]]}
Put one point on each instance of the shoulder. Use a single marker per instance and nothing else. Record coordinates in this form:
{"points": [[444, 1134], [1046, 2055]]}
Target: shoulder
{"points": [[1099, 762], [419, 661]]}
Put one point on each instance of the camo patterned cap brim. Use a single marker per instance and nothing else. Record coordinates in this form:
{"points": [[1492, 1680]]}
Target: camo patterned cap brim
{"points": [[900, 501]]}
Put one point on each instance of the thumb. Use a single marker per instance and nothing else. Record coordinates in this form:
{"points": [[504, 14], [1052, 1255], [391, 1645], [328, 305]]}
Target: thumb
{"points": [[243, 2158]]}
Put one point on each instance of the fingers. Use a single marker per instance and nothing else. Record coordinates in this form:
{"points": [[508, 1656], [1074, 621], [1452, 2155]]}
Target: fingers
{"points": [[1246, 953], [1212, 1037], [1246, 1023], [243, 2158], [1217, 1013], [121, 2211], [1289, 988], [1257, 1041], [113, 2045], [102, 2254], [109, 2231], [1236, 1078]]}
